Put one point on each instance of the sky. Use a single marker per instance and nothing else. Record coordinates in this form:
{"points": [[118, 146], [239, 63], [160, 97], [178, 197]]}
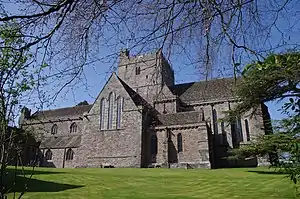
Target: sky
{"points": [[96, 74]]}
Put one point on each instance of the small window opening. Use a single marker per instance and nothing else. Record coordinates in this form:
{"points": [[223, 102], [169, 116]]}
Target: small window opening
{"points": [[137, 70], [165, 111], [179, 143]]}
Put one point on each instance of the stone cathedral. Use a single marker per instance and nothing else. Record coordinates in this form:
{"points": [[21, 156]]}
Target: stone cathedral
{"points": [[141, 118]]}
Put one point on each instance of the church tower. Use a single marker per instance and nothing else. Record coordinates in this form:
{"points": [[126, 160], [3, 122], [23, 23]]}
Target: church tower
{"points": [[146, 74]]}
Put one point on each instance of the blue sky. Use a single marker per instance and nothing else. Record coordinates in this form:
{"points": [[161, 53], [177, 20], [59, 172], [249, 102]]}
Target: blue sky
{"points": [[96, 74]]}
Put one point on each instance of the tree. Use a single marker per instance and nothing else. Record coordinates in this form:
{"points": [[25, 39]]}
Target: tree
{"points": [[18, 78], [82, 103], [276, 78], [197, 30]]}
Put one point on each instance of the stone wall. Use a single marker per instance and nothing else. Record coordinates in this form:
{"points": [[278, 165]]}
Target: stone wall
{"points": [[43, 127], [222, 133], [129, 145], [195, 146], [154, 72], [72, 163], [117, 147], [57, 158], [166, 107], [42, 130]]}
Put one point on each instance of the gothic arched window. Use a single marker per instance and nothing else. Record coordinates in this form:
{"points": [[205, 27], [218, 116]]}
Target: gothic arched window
{"points": [[69, 154], [236, 132], [54, 129], [247, 129], [153, 145], [165, 111], [73, 128], [224, 134], [179, 142], [48, 155], [110, 110], [215, 121], [119, 111], [102, 113], [239, 129]]}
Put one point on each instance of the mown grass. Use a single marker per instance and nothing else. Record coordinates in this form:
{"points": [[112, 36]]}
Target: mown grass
{"points": [[244, 183]]}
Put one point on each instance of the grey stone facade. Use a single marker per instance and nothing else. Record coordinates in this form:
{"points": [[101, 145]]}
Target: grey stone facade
{"points": [[141, 118]]}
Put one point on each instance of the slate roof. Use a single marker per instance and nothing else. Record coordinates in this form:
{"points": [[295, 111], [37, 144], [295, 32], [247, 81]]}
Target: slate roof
{"points": [[180, 118], [62, 112], [212, 90], [61, 142]]}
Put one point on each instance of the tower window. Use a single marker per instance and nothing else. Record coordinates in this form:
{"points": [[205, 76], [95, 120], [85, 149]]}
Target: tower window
{"points": [[137, 70]]}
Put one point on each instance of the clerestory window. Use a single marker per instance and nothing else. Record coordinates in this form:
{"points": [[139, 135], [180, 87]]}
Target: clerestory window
{"points": [[54, 129], [73, 128]]}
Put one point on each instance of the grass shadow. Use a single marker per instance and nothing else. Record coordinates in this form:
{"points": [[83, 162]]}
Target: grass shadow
{"points": [[270, 172], [35, 185], [27, 171], [15, 181]]}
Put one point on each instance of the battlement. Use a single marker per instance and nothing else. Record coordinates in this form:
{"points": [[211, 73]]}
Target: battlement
{"points": [[127, 59]]}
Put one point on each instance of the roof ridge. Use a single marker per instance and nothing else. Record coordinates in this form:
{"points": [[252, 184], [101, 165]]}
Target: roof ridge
{"points": [[210, 90], [183, 112], [66, 108], [211, 80], [191, 117]]}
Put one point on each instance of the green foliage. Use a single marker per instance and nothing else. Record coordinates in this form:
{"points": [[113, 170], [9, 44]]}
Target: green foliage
{"points": [[18, 76], [82, 103], [276, 78], [293, 166], [15, 78], [264, 145]]}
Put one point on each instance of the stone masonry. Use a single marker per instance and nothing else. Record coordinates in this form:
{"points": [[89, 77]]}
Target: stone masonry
{"points": [[141, 118]]}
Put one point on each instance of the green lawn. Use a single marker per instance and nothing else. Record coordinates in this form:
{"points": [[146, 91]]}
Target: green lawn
{"points": [[241, 183]]}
